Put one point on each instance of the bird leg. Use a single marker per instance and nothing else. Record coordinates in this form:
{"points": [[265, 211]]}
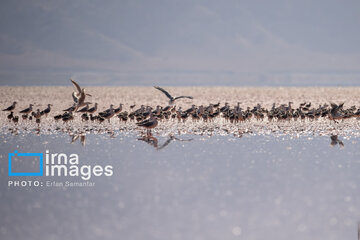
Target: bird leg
{"points": [[148, 133]]}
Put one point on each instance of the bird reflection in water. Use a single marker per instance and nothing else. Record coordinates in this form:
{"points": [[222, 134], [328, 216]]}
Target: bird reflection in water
{"points": [[37, 131], [75, 137], [335, 141], [14, 131], [153, 141]]}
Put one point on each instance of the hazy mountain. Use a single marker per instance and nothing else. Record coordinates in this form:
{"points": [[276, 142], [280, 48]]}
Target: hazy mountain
{"points": [[180, 42]]}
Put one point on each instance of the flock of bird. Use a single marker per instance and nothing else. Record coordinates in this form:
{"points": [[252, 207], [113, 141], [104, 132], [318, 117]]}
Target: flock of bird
{"points": [[147, 117]]}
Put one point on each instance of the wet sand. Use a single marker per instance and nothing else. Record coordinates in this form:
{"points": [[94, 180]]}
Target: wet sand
{"points": [[61, 98]]}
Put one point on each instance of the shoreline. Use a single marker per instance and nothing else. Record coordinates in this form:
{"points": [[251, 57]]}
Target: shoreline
{"points": [[61, 98]]}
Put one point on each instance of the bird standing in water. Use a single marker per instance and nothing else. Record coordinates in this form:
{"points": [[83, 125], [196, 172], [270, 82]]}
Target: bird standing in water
{"points": [[12, 107], [334, 112], [37, 116], [93, 109], [46, 110], [149, 124], [79, 96], [27, 110]]}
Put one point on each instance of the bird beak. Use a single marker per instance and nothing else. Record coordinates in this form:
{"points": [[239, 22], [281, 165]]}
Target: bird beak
{"points": [[89, 95]]}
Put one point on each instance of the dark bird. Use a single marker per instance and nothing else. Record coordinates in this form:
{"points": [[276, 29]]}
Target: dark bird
{"points": [[172, 99], [76, 137], [84, 109], [27, 110], [109, 113], [10, 116], [15, 119], [46, 110], [70, 109], [148, 123], [334, 113], [12, 107], [68, 116], [37, 116], [84, 117], [93, 109]]}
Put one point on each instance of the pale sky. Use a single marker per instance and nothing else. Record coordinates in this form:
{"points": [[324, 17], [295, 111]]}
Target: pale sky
{"points": [[180, 43]]}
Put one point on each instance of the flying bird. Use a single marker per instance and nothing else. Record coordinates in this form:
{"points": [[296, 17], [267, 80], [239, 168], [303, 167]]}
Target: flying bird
{"points": [[79, 96], [172, 99]]}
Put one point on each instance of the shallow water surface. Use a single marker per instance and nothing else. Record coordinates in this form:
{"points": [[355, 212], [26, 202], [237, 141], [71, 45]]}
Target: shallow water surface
{"points": [[187, 187]]}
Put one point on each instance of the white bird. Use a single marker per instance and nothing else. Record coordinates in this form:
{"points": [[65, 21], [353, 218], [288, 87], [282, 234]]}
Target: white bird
{"points": [[79, 96], [172, 99]]}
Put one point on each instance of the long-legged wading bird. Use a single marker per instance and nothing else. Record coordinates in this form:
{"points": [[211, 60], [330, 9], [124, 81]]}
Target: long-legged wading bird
{"points": [[12, 107], [149, 124], [335, 140], [93, 109], [172, 99], [109, 113], [334, 112], [37, 116], [72, 108], [79, 96], [27, 110], [119, 109], [15, 119], [153, 141], [67, 116], [46, 110], [10, 116], [84, 109]]}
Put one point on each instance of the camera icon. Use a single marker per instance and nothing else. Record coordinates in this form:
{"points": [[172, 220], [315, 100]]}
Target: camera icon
{"points": [[16, 154]]}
